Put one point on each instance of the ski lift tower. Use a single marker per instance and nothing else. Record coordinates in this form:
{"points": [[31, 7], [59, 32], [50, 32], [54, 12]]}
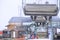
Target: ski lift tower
{"points": [[45, 8]]}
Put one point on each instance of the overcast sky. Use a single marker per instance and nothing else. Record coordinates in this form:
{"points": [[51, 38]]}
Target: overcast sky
{"points": [[13, 8]]}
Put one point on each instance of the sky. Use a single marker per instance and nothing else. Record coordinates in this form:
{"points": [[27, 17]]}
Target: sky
{"points": [[13, 8]]}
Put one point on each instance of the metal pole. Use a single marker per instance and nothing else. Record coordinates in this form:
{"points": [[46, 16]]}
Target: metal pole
{"points": [[51, 32], [47, 24]]}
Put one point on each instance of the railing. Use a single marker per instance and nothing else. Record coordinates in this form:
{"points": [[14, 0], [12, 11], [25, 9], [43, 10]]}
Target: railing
{"points": [[24, 2]]}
